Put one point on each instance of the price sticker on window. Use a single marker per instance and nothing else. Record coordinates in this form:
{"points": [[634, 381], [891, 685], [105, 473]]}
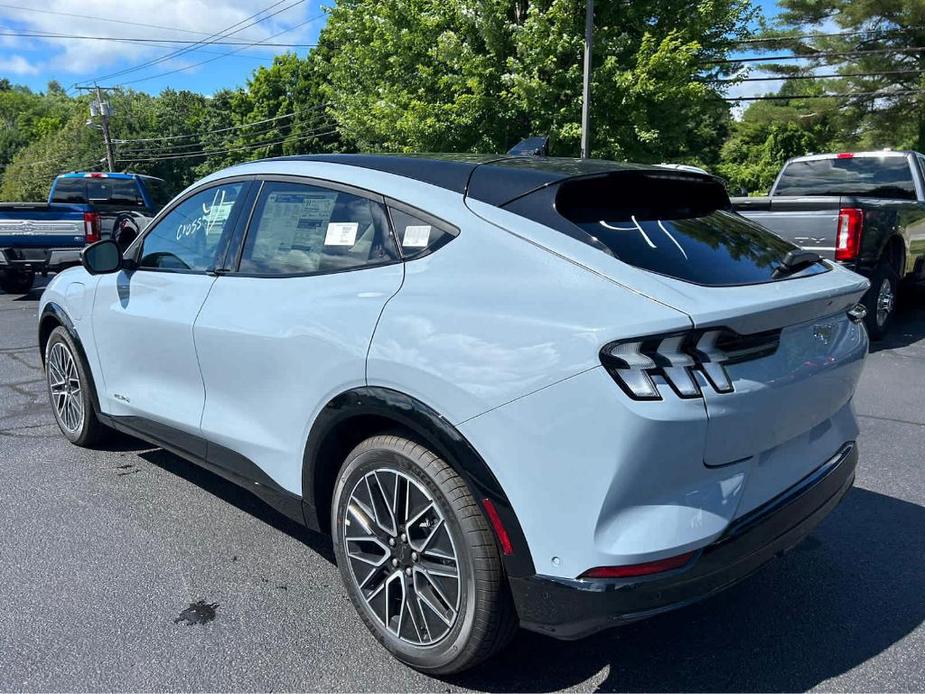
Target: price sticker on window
{"points": [[416, 236], [341, 234]]}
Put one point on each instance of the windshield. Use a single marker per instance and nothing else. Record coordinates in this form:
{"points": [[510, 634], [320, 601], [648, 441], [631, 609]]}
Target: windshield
{"points": [[879, 177]]}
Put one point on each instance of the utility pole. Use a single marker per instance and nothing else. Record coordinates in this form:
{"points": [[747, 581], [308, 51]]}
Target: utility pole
{"points": [[104, 111], [586, 87]]}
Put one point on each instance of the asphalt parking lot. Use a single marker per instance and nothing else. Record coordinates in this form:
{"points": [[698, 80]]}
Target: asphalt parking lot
{"points": [[130, 569]]}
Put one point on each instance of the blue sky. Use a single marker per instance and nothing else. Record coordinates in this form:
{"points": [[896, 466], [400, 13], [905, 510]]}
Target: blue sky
{"points": [[34, 61]]}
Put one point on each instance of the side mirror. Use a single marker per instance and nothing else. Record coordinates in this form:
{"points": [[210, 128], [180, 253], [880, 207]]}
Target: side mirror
{"points": [[102, 257]]}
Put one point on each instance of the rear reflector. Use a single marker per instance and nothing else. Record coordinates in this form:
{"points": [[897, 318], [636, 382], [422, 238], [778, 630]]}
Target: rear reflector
{"points": [[503, 538], [630, 570], [848, 234], [91, 227]]}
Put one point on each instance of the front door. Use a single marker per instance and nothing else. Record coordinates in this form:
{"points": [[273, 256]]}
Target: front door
{"points": [[143, 318]]}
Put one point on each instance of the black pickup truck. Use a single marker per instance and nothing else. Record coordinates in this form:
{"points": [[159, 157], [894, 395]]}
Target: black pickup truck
{"points": [[865, 210]]}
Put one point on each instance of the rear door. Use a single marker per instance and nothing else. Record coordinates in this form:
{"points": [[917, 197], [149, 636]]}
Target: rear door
{"points": [[289, 326], [143, 318]]}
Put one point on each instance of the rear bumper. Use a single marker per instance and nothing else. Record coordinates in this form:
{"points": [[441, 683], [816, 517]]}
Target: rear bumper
{"points": [[39, 260], [571, 608]]}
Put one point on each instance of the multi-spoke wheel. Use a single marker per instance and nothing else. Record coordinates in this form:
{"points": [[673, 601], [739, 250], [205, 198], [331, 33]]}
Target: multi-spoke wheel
{"points": [[880, 299], [418, 557], [69, 387]]}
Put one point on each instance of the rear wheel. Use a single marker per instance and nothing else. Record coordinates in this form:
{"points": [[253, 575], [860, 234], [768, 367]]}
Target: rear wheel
{"points": [[17, 282], [880, 300], [69, 386], [417, 557]]}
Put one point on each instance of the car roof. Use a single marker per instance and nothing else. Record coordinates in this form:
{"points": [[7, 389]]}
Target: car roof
{"points": [[494, 179]]}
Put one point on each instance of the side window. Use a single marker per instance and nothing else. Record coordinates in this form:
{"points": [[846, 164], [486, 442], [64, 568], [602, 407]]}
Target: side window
{"points": [[69, 190], [418, 234], [307, 229], [187, 238]]}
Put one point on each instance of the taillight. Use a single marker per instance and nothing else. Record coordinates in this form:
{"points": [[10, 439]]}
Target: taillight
{"points": [[646, 569], [848, 238], [91, 227], [683, 361]]}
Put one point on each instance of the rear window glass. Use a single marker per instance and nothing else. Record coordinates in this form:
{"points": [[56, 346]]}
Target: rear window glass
{"points": [[675, 227], [114, 191], [69, 190], [879, 177]]}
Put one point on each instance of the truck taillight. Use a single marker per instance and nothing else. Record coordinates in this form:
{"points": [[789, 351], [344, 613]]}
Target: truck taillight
{"points": [[91, 227], [848, 237]]}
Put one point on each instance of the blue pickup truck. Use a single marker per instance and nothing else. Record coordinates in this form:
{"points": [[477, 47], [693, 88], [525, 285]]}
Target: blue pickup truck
{"points": [[82, 207]]}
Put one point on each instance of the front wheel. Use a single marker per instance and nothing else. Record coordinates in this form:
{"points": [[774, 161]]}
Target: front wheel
{"points": [[17, 282], [418, 559], [69, 386]]}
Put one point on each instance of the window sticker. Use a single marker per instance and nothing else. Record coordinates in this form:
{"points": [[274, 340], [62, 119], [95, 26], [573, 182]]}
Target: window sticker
{"points": [[341, 234], [292, 220], [416, 236]]}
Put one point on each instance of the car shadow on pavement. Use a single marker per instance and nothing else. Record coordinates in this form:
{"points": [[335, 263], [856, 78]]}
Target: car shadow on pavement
{"points": [[847, 593], [234, 495]]}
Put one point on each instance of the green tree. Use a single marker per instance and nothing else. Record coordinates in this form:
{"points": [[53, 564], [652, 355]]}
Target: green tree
{"points": [[880, 39], [478, 75]]}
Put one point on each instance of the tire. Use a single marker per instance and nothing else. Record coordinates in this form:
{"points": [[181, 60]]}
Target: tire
{"points": [[478, 613], [17, 282], [69, 386], [124, 230], [880, 299]]}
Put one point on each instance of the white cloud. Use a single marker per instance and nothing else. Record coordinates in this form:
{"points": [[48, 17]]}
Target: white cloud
{"points": [[17, 65], [158, 19]]}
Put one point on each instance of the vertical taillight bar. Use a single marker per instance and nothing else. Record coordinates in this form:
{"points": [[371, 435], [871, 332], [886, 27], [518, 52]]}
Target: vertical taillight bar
{"points": [[91, 227], [848, 235]]}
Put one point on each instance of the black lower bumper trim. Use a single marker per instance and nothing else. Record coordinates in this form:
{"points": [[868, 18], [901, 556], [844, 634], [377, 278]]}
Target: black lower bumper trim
{"points": [[572, 609]]}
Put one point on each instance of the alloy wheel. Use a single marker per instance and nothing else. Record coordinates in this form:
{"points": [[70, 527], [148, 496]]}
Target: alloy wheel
{"points": [[64, 383], [885, 300], [402, 556]]}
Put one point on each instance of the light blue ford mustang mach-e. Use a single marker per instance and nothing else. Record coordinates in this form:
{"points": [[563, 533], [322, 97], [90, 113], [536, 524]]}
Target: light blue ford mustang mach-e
{"points": [[556, 393]]}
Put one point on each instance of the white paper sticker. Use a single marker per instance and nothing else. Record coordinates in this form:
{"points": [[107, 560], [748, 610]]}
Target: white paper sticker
{"points": [[341, 234], [416, 236]]}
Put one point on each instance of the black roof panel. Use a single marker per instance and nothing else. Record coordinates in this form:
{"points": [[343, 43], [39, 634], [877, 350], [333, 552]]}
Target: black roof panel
{"points": [[494, 179]]}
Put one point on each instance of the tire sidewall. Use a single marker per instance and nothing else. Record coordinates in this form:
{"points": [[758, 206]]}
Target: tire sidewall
{"points": [[453, 644]]}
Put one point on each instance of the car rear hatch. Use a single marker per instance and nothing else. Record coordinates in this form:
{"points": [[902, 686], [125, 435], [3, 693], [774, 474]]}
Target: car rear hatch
{"points": [[781, 332]]}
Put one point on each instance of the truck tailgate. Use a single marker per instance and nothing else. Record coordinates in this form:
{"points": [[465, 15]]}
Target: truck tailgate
{"points": [[40, 225], [810, 222]]}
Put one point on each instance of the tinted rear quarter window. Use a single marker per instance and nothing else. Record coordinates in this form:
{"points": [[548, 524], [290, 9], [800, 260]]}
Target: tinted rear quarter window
{"points": [[119, 192], [883, 177], [674, 226]]}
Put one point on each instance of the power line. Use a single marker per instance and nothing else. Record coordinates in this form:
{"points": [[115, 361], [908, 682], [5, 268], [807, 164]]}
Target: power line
{"points": [[224, 33], [137, 39], [779, 97], [146, 25], [828, 75], [291, 138], [816, 56], [822, 35], [223, 55], [221, 130]]}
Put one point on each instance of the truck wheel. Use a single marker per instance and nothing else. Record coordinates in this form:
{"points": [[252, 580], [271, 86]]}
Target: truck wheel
{"points": [[418, 558], [880, 300], [17, 282]]}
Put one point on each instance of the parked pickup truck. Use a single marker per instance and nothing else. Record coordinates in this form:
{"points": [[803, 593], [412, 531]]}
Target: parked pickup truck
{"points": [[82, 208], [865, 210]]}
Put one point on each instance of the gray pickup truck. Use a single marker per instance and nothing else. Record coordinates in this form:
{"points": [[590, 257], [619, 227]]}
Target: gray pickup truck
{"points": [[865, 210]]}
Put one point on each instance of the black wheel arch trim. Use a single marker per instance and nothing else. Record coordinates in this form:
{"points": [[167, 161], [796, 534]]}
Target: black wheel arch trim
{"points": [[60, 316], [433, 430]]}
